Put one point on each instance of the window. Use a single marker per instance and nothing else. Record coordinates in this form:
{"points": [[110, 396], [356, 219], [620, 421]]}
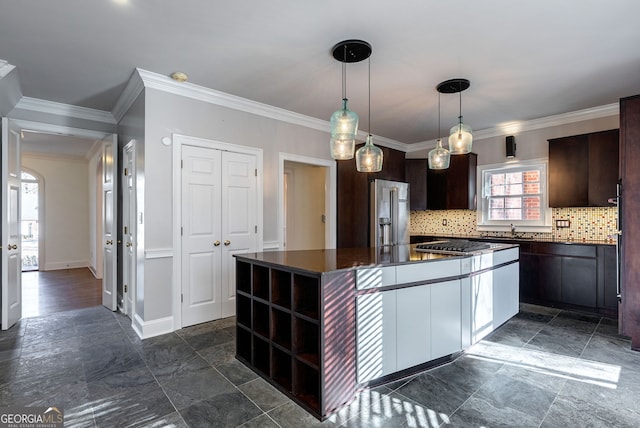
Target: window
{"points": [[514, 194]]}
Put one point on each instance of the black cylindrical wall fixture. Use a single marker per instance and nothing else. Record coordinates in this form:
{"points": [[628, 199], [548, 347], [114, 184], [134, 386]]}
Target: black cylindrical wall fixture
{"points": [[511, 146]]}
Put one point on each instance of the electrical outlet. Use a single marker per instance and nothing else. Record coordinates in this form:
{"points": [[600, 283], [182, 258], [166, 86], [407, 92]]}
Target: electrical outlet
{"points": [[563, 224], [444, 221]]}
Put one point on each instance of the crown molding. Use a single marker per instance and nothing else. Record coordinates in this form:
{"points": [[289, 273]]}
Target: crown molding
{"points": [[530, 125], [5, 68], [212, 96], [67, 110], [129, 94]]}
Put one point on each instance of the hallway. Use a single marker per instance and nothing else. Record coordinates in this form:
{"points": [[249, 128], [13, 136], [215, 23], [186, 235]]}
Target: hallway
{"points": [[50, 292]]}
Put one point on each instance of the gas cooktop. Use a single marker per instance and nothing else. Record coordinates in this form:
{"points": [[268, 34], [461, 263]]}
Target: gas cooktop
{"points": [[454, 246]]}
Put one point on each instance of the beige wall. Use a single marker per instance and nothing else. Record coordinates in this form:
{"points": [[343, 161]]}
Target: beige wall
{"points": [[66, 210], [305, 206]]}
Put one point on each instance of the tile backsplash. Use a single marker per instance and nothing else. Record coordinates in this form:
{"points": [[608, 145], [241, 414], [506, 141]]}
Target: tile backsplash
{"points": [[585, 224]]}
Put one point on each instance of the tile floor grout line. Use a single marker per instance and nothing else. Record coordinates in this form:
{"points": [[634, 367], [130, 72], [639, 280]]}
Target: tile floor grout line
{"points": [[137, 349], [239, 390]]}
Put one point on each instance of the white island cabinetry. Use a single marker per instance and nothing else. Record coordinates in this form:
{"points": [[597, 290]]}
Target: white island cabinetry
{"points": [[432, 310]]}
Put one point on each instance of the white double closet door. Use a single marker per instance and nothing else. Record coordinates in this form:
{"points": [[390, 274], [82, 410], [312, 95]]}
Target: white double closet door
{"points": [[219, 219]]}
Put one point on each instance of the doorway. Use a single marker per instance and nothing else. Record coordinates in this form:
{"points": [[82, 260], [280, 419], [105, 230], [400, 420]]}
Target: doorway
{"points": [[306, 203], [304, 206], [30, 222], [55, 154]]}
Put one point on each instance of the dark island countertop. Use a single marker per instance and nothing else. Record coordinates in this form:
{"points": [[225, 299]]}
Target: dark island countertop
{"points": [[329, 260]]}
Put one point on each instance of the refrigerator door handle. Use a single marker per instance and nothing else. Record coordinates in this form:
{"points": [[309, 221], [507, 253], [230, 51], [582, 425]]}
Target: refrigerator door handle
{"points": [[394, 202]]}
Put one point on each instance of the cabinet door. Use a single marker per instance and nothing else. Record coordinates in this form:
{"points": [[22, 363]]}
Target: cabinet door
{"points": [[569, 172], [461, 182], [505, 293], [413, 326], [446, 318], [437, 189], [540, 278], [608, 279], [376, 335], [603, 167], [416, 175], [579, 281], [392, 166], [455, 187], [352, 206]]}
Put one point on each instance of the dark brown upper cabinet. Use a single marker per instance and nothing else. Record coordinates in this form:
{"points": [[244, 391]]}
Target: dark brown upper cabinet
{"points": [[353, 196], [453, 188], [416, 175], [583, 169]]}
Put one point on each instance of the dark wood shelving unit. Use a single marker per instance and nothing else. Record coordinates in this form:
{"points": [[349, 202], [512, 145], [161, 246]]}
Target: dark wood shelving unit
{"points": [[297, 330]]}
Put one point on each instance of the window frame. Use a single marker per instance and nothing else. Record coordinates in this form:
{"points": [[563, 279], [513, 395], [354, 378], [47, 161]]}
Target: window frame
{"points": [[484, 174]]}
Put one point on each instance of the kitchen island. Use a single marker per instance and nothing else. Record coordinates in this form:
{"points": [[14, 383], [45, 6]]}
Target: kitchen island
{"points": [[319, 324]]}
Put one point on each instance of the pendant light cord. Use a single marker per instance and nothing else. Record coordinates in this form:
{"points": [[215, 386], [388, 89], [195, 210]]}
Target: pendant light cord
{"points": [[438, 115], [369, 61], [344, 74], [460, 115]]}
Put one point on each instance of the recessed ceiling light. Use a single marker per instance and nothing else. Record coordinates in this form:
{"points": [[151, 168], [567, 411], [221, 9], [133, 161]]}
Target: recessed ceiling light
{"points": [[179, 76]]}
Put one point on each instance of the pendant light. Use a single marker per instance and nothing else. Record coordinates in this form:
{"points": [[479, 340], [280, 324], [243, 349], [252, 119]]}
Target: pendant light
{"points": [[369, 157], [344, 122], [439, 157], [460, 135]]}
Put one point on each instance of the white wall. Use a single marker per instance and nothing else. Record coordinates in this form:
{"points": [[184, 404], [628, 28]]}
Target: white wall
{"points": [[66, 210], [166, 114], [131, 127]]}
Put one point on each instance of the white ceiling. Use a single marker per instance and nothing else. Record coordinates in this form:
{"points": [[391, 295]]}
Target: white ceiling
{"points": [[40, 143], [525, 59]]}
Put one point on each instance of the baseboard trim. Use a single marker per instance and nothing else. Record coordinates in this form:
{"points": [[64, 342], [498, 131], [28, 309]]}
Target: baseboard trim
{"points": [[66, 265], [147, 329]]}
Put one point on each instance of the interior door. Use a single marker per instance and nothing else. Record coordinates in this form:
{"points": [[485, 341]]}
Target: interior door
{"points": [[11, 252], [128, 228], [239, 220], [109, 221], [201, 240]]}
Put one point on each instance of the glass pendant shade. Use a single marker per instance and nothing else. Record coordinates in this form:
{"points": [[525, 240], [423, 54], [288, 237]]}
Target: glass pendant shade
{"points": [[460, 139], [344, 127], [369, 157], [439, 157]]}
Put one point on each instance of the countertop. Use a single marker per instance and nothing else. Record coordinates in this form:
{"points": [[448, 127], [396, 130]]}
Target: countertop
{"points": [[516, 239], [322, 261]]}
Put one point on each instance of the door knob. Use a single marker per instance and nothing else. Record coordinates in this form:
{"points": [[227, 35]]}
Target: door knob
{"points": [[109, 242], [216, 244], [128, 244], [13, 247], [227, 242]]}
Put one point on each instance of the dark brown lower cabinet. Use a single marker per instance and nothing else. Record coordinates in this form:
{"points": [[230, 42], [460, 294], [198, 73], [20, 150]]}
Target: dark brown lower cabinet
{"points": [[569, 275], [540, 276], [297, 330], [579, 281]]}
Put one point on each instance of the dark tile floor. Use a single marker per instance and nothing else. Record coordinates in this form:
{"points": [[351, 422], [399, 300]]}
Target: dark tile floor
{"points": [[543, 368]]}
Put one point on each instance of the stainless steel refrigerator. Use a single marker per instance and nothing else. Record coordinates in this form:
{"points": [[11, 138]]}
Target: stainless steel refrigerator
{"points": [[389, 213]]}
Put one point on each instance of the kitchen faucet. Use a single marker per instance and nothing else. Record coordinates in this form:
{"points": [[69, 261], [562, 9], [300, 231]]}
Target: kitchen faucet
{"points": [[513, 230]]}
